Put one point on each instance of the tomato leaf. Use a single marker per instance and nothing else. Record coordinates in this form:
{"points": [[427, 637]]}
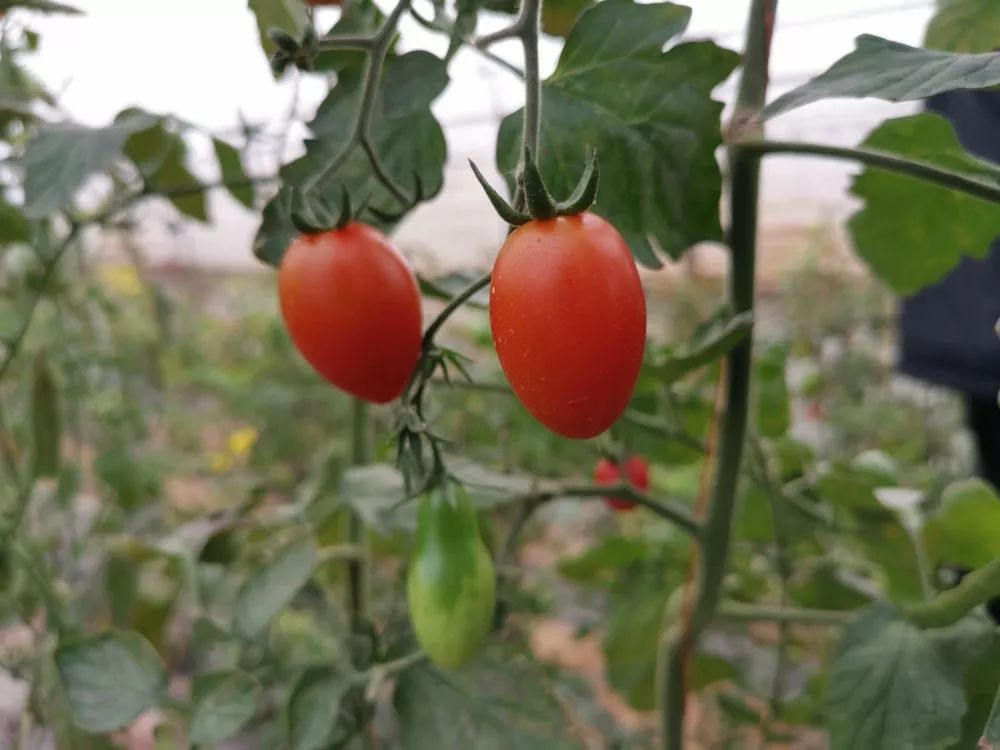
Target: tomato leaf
{"points": [[271, 586], [62, 155], [448, 286], [912, 233], [39, 6], [231, 169], [223, 703], [964, 26], [649, 114], [895, 72], [606, 557], [500, 701], [991, 734], [773, 414], [893, 685], [313, 706], [712, 342], [110, 679], [406, 136], [965, 530], [160, 153]]}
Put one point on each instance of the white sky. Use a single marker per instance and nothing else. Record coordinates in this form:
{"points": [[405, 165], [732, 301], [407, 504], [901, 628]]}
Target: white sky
{"points": [[200, 60]]}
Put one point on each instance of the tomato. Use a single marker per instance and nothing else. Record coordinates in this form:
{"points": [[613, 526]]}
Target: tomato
{"points": [[636, 473], [352, 307], [568, 316], [451, 583]]}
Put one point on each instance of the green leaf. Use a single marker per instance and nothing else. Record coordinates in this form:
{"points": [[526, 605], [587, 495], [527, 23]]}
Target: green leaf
{"points": [[62, 155], [607, 556], [313, 707], [634, 624], [773, 416], [45, 422], [223, 703], [991, 734], [894, 686], [964, 26], [357, 17], [231, 167], [823, 587], [272, 586], [13, 224], [110, 679], [450, 285], [649, 114], [404, 133], [912, 233], [965, 530], [39, 6], [713, 342], [895, 72], [501, 701], [287, 15], [159, 153], [982, 683]]}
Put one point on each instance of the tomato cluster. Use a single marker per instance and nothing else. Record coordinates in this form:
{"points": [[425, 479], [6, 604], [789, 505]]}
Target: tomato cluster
{"points": [[569, 323]]}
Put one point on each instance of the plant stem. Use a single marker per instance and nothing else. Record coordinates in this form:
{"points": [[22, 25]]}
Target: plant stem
{"points": [[889, 162], [442, 23], [948, 607], [739, 612], [377, 48], [717, 529], [357, 565], [666, 509], [453, 304]]}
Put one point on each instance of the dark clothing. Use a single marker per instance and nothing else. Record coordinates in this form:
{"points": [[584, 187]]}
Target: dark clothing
{"points": [[947, 331], [983, 416]]}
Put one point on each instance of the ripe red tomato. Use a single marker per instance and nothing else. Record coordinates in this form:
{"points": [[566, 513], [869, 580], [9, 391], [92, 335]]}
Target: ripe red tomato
{"points": [[568, 316], [352, 307], [636, 472]]}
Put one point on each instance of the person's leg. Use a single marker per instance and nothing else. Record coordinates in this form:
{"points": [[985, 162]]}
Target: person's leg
{"points": [[983, 415]]}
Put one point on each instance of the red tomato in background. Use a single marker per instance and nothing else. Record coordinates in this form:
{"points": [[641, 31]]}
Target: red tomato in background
{"points": [[568, 316], [351, 304], [636, 473]]}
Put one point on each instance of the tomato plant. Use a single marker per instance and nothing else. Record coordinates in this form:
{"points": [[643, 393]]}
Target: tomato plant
{"points": [[352, 307], [286, 566]]}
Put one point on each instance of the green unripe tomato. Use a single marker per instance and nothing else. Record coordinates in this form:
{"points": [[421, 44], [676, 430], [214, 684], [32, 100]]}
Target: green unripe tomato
{"points": [[451, 584]]}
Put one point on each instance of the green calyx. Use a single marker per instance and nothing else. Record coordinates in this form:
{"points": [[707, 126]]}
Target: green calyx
{"points": [[312, 215], [537, 199], [291, 51]]}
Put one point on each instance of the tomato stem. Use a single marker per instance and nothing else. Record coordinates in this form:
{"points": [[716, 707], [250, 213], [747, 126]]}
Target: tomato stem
{"points": [[881, 160], [948, 607], [377, 48]]}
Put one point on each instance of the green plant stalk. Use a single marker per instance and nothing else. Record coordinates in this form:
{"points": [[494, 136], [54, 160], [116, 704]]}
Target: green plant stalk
{"points": [[357, 565], [948, 607], [782, 562], [881, 160], [717, 528]]}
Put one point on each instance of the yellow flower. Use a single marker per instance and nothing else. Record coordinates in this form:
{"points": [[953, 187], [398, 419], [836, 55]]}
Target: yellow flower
{"points": [[242, 441], [122, 280]]}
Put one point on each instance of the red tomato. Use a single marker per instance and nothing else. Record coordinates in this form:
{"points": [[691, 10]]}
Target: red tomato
{"points": [[569, 322], [636, 472], [352, 307]]}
